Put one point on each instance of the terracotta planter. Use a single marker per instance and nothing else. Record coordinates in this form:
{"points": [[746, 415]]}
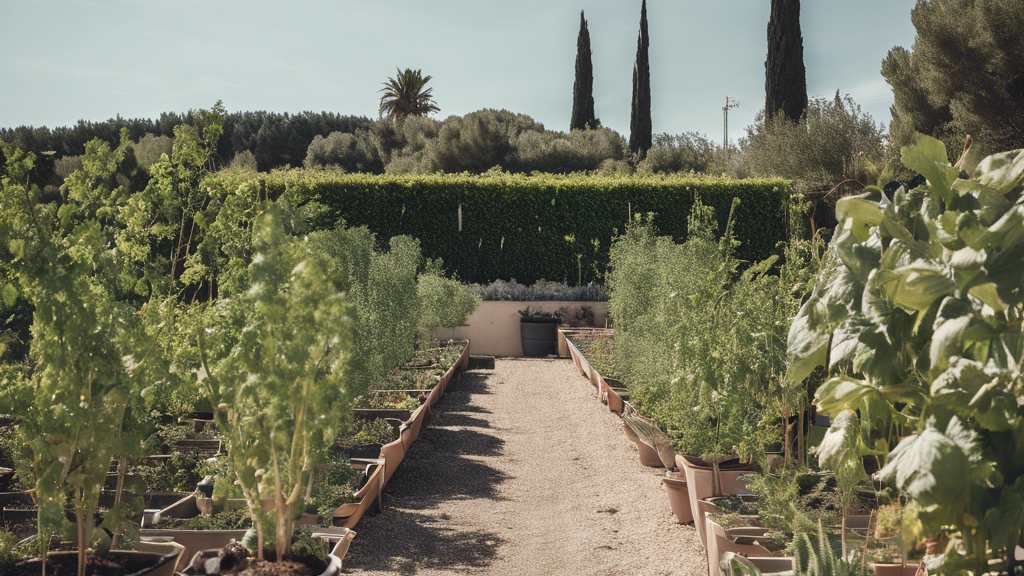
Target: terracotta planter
{"points": [[700, 482], [765, 566], [392, 454], [678, 496], [630, 434], [348, 515], [911, 569], [648, 456], [371, 413], [147, 563], [735, 540], [333, 568]]}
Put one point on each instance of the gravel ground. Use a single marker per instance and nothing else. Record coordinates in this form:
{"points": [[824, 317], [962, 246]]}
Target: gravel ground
{"points": [[523, 472]]}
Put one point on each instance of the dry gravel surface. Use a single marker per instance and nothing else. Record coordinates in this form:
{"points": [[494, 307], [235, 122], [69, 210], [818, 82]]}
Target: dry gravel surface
{"points": [[523, 472]]}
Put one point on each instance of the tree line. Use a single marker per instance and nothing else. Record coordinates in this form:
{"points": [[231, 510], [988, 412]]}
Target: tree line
{"points": [[961, 77]]}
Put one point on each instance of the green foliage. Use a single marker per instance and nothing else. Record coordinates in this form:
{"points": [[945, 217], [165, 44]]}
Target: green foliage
{"points": [[10, 553], [244, 161], [686, 152], [404, 95], [375, 431], [962, 76], [534, 211], [333, 485], [813, 556], [445, 301], [789, 498], [349, 152], [86, 343], [151, 149], [238, 519], [560, 153], [279, 375], [918, 319], [817, 153], [64, 167], [698, 342], [542, 290]]}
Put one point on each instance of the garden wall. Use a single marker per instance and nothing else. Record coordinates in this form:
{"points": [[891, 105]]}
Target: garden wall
{"points": [[505, 226], [494, 327]]}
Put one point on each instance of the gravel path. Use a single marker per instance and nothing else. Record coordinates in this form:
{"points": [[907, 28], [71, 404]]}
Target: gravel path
{"points": [[523, 472]]}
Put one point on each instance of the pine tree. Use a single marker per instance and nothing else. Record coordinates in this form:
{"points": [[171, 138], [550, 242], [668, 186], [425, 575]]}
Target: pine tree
{"points": [[785, 83], [583, 89], [963, 75], [640, 136]]}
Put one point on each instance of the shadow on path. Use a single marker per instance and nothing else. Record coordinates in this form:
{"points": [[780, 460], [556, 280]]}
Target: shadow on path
{"points": [[445, 463]]}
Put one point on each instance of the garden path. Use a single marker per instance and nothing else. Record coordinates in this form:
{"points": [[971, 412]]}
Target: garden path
{"points": [[522, 472]]}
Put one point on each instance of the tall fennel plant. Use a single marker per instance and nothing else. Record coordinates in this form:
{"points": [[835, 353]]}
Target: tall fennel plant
{"points": [[274, 363], [73, 406]]}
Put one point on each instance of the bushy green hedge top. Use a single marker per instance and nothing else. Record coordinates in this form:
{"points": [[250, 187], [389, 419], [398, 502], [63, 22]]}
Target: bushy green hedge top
{"points": [[556, 227]]}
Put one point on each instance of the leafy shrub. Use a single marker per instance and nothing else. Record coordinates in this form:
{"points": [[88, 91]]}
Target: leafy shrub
{"points": [[150, 148], [478, 141], [244, 161], [401, 138], [349, 152], [375, 431], [445, 301], [700, 343], [332, 487], [558, 152], [686, 152], [816, 152], [541, 290], [63, 167]]}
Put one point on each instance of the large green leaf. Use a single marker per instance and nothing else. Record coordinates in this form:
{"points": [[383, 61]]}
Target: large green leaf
{"points": [[1004, 171], [921, 285], [806, 347], [860, 257], [840, 449], [845, 393], [929, 467], [928, 158]]}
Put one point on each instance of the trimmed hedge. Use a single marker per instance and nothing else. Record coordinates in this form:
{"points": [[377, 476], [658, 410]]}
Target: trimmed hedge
{"points": [[529, 227]]}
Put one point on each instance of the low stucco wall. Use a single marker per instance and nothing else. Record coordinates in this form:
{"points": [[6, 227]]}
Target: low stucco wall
{"points": [[493, 329]]}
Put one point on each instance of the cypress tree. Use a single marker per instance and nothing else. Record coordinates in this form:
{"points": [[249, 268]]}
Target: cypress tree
{"points": [[640, 117], [785, 83], [583, 89]]}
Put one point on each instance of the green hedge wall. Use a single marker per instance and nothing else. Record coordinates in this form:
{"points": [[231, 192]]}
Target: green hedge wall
{"points": [[515, 226]]}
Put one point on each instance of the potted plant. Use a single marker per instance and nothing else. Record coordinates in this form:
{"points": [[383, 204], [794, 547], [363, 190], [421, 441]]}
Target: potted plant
{"points": [[86, 344], [276, 372], [539, 331]]}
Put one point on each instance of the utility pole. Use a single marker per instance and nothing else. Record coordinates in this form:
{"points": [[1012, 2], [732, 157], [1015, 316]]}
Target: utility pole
{"points": [[729, 103]]}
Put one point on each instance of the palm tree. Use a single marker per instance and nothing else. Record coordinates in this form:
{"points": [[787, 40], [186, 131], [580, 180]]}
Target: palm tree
{"points": [[404, 95]]}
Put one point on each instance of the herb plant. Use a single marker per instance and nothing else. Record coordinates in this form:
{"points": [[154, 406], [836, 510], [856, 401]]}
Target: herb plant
{"points": [[276, 372]]}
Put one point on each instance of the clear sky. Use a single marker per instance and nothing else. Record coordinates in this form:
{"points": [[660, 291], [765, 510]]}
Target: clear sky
{"points": [[64, 60]]}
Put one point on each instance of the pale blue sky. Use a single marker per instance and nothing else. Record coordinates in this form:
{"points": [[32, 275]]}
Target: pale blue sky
{"points": [[62, 60]]}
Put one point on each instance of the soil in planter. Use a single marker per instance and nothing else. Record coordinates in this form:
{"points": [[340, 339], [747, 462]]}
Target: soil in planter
{"points": [[227, 520], [67, 565], [735, 504], [598, 346], [286, 568]]}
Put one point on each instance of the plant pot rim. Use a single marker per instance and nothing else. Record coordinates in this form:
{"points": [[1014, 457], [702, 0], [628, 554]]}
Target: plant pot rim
{"points": [[539, 320]]}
